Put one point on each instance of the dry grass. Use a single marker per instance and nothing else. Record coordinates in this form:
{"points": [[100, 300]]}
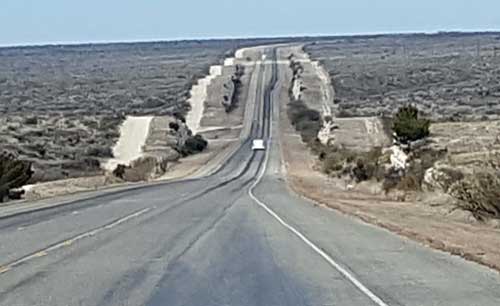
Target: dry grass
{"points": [[479, 193], [442, 74], [306, 121]]}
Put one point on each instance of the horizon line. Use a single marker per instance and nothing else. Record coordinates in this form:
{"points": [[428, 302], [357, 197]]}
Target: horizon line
{"points": [[284, 36]]}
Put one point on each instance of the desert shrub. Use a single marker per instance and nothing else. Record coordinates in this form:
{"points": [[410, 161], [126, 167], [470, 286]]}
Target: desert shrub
{"points": [[368, 166], [179, 115], [308, 130], [408, 126], [391, 180], [31, 121], [306, 121], [479, 193], [111, 135], [119, 171], [296, 67], [152, 103], [299, 112], [14, 173], [422, 161], [361, 166], [332, 163], [99, 151], [409, 182], [237, 89], [412, 178], [174, 126], [451, 177], [194, 144], [343, 113], [361, 172]]}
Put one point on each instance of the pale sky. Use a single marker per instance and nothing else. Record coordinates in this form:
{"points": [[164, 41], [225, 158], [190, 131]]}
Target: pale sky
{"points": [[59, 21]]}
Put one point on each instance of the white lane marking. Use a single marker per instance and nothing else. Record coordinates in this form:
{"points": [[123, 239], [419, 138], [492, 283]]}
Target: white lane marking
{"points": [[372, 296], [71, 241]]}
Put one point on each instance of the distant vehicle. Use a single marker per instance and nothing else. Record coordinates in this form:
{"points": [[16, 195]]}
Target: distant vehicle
{"points": [[258, 145]]}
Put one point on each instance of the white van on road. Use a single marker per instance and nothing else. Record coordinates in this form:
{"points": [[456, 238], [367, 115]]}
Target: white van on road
{"points": [[258, 145]]}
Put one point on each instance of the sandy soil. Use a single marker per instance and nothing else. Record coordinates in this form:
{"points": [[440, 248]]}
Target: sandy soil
{"points": [[133, 134], [360, 134], [69, 186], [467, 137]]}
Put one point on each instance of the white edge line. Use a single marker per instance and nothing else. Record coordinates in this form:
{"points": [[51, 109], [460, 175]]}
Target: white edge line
{"points": [[372, 296]]}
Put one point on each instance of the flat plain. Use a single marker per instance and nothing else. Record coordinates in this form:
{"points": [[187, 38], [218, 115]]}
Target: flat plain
{"points": [[449, 76]]}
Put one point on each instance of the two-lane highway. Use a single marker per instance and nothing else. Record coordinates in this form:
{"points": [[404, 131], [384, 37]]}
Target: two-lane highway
{"points": [[236, 237]]}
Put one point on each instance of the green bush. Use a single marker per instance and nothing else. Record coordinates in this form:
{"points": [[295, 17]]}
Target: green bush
{"points": [[306, 121], [174, 126], [119, 171], [408, 126], [194, 144], [14, 173], [361, 166]]}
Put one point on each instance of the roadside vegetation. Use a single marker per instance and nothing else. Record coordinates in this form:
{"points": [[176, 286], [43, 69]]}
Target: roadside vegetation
{"points": [[193, 145], [231, 101], [164, 150], [14, 173], [334, 161], [407, 125], [306, 121], [477, 192], [449, 79]]}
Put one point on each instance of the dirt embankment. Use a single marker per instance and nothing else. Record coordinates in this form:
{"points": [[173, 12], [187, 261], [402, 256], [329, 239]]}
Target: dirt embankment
{"points": [[198, 97], [439, 226], [133, 134]]}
